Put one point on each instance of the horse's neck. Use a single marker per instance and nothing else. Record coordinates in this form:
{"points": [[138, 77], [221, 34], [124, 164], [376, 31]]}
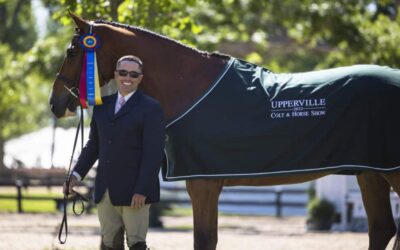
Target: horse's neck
{"points": [[173, 73], [184, 82]]}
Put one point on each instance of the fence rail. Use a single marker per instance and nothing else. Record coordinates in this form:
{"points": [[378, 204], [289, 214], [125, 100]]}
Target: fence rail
{"points": [[242, 197], [19, 197], [238, 196]]}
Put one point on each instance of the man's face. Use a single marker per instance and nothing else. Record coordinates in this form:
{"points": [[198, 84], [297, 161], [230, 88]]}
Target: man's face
{"points": [[128, 76]]}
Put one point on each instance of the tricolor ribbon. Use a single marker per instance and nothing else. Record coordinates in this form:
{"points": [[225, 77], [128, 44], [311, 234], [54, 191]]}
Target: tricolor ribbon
{"points": [[89, 84]]}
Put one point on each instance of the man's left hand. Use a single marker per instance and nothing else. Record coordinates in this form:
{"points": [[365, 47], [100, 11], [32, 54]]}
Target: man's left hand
{"points": [[138, 201]]}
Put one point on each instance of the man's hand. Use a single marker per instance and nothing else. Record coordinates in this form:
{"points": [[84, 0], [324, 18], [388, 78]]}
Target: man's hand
{"points": [[73, 181], [138, 201]]}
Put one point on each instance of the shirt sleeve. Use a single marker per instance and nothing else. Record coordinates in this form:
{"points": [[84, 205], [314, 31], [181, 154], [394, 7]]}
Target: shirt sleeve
{"points": [[78, 176]]}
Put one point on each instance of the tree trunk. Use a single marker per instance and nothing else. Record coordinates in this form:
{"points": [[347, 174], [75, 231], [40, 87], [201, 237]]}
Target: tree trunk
{"points": [[17, 9], [2, 144], [3, 18], [114, 10]]}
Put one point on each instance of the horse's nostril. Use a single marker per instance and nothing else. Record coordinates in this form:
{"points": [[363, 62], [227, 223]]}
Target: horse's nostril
{"points": [[52, 108]]}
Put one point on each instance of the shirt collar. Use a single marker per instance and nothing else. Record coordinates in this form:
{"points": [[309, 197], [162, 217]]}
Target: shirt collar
{"points": [[127, 96]]}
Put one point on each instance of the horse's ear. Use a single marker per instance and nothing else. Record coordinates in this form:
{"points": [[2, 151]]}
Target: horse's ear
{"points": [[79, 22]]}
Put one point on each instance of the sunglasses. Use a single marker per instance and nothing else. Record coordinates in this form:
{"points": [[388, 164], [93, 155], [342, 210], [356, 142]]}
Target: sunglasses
{"points": [[132, 74]]}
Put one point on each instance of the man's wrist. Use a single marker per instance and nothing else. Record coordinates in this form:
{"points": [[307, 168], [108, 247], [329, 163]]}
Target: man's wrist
{"points": [[76, 175]]}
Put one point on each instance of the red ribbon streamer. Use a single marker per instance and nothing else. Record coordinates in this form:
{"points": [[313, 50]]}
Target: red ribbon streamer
{"points": [[82, 84]]}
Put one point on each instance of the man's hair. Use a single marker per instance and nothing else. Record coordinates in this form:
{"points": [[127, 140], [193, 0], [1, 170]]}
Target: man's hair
{"points": [[131, 58]]}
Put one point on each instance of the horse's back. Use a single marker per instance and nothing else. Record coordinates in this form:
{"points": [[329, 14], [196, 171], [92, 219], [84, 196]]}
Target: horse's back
{"points": [[364, 81], [362, 71]]}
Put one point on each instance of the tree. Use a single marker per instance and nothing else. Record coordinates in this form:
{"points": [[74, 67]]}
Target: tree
{"points": [[305, 34], [17, 25], [356, 31], [169, 17], [16, 35], [282, 35], [26, 67]]}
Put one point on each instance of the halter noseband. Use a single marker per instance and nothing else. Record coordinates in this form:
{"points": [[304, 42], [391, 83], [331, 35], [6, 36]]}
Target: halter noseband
{"points": [[74, 91]]}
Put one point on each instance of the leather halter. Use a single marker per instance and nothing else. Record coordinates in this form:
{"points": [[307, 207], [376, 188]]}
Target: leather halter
{"points": [[74, 91]]}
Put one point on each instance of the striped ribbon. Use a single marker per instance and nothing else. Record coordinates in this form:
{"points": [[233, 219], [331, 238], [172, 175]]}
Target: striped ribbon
{"points": [[89, 83]]}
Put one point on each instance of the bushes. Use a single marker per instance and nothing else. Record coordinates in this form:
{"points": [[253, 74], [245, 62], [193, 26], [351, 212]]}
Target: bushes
{"points": [[321, 213]]}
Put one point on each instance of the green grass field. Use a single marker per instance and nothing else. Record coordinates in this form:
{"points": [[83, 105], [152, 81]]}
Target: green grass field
{"points": [[178, 211], [29, 206], [49, 205]]}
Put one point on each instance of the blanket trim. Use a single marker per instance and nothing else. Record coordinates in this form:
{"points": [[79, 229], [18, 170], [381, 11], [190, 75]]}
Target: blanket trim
{"points": [[280, 173], [227, 66]]}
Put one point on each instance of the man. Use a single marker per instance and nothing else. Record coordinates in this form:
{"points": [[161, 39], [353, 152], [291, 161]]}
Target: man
{"points": [[127, 137]]}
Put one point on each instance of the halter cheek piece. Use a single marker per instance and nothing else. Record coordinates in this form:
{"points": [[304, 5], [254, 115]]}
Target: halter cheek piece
{"points": [[72, 51]]}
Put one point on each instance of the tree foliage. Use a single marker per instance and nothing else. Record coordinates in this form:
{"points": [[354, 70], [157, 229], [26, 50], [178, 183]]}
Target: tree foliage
{"points": [[27, 67], [355, 31], [17, 25], [25, 86], [169, 17], [283, 35]]}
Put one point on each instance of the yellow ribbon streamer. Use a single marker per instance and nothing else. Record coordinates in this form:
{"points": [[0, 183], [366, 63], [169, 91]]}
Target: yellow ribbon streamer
{"points": [[97, 92]]}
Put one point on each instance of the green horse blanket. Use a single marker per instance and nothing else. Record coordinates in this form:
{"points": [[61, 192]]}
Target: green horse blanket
{"points": [[253, 122]]}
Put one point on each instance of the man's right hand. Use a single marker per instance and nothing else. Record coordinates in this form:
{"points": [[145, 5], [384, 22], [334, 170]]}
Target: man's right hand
{"points": [[73, 181]]}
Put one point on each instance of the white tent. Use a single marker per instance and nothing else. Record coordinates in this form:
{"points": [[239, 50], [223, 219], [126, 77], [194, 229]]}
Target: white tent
{"points": [[35, 149]]}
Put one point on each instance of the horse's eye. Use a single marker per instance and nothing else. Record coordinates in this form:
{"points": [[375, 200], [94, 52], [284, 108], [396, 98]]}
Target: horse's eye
{"points": [[73, 47], [71, 51]]}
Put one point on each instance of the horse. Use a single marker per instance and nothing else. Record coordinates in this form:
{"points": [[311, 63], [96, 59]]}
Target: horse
{"points": [[176, 75]]}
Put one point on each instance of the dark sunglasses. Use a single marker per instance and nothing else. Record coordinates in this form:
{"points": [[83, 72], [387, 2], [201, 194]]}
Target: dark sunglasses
{"points": [[132, 74]]}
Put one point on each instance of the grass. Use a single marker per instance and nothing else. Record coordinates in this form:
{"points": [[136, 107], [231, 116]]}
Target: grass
{"points": [[49, 206], [29, 206], [177, 211]]}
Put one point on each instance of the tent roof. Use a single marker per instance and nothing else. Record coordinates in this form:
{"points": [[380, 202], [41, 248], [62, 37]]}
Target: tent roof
{"points": [[34, 149]]}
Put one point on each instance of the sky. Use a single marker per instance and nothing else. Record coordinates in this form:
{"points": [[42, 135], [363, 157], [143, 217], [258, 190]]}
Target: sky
{"points": [[41, 16]]}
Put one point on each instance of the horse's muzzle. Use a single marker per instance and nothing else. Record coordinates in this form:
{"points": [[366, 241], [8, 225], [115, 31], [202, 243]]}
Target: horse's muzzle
{"points": [[61, 107]]}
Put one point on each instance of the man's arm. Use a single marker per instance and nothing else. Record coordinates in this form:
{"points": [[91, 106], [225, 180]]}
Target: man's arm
{"points": [[86, 159], [153, 148], [90, 152]]}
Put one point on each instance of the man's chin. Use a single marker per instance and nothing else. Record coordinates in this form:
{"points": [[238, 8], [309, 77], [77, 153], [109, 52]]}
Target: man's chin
{"points": [[126, 89]]}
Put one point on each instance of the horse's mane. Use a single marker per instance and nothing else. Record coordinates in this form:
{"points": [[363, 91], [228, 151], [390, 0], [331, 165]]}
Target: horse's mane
{"points": [[149, 32]]}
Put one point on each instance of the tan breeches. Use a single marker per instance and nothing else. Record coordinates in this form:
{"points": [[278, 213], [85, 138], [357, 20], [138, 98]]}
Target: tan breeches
{"points": [[113, 219]]}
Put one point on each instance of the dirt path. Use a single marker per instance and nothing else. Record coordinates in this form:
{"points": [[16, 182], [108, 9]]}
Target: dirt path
{"points": [[39, 232]]}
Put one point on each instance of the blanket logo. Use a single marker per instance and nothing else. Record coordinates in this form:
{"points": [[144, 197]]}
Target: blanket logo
{"points": [[298, 108]]}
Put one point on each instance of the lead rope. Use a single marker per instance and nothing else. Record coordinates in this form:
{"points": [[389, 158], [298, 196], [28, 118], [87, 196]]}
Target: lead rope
{"points": [[77, 196]]}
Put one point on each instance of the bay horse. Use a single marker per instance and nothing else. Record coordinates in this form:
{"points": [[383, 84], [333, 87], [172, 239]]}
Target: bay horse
{"points": [[176, 75]]}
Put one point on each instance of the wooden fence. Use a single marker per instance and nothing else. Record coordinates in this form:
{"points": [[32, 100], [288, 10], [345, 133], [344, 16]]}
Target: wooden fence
{"points": [[19, 197], [245, 197], [238, 197]]}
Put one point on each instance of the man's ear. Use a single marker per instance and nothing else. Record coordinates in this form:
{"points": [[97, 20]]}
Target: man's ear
{"points": [[79, 22]]}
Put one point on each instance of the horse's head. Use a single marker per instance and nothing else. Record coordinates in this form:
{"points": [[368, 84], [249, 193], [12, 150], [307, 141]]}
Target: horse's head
{"points": [[64, 95], [65, 87]]}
